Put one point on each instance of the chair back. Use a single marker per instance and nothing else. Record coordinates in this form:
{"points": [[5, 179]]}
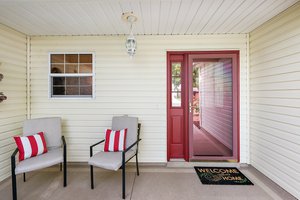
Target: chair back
{"points": [[131, 123], [50, 126]]}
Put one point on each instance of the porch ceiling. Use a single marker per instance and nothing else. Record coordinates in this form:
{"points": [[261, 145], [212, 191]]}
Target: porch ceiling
{"points": [[103, 17]]}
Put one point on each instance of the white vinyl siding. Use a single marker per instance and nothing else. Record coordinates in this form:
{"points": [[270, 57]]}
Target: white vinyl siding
{"points": [[136, 87], [275, 99], [13, 85]]}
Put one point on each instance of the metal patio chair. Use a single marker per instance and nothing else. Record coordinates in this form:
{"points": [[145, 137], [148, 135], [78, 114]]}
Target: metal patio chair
{"points": [[56, 145], [117, 160]]}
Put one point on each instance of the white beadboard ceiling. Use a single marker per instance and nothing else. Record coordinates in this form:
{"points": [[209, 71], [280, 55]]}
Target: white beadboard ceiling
{"points": [[103, 17]]}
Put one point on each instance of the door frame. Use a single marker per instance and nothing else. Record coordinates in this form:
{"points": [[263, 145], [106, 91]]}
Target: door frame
{"points": [[185, 101]]}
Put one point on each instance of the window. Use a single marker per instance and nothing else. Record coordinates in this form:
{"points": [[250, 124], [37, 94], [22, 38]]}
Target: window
{"points": [[71, 75], [176, 84]]}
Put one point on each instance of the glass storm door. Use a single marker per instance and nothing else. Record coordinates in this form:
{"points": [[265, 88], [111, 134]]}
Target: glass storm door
{"points": [[213, 106]]}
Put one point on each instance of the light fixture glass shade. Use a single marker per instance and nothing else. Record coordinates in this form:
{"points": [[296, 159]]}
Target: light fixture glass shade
{"points": [[131, 45]]}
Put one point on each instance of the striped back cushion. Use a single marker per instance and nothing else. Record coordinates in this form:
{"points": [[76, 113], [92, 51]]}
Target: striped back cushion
{"points": [[115, 140], [30, 146]]}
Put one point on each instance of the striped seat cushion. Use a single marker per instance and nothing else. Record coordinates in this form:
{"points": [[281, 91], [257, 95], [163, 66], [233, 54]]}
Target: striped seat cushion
{"points": [[30, 146], [115, 140]]}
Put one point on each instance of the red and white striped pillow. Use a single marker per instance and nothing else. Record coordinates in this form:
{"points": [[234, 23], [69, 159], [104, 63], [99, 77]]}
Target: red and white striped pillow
{"points": [[30, 146], [115, 140]]}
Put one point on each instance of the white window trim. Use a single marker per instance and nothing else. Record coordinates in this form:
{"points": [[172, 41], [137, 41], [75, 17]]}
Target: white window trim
{"points": [[68, 74]]}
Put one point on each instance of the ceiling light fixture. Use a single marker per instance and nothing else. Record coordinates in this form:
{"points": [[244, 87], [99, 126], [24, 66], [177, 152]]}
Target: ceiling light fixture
{"points": [[130, 44]]}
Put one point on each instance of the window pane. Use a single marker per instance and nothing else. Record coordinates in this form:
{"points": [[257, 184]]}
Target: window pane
{"points": [[85, 58], [71, 58], [176, 84], [57, 68], [72, 81], [71, 68], [72, 90], [57, 58], [85, 68], [176, 69], [86, 80], [58, 90], [58, 81], [176, 99], [86, 90]]}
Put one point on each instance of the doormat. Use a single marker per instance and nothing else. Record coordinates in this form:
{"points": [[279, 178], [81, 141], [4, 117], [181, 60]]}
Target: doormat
{"points": [[222, 176]]}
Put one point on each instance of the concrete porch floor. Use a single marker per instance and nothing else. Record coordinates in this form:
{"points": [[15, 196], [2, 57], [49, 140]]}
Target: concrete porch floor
{"points": [[154, 182]]}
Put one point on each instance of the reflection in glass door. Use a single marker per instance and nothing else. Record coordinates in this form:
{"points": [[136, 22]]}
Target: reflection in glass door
{"points": [[211, 107]]}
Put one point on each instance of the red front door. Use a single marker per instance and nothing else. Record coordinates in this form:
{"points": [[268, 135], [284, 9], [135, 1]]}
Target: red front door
{"points": [[203, 105]]}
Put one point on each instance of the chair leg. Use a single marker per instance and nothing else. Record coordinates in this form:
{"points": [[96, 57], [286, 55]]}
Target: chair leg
{"points": [[14, 182], [14, 187], [123, 181], [92, 177], [137, 165], [65, 171], [24, 177]]}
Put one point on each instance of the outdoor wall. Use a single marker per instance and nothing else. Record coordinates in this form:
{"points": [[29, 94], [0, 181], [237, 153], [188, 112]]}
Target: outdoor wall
{"points": [[13, 85], [275, 99], [135, 87]]}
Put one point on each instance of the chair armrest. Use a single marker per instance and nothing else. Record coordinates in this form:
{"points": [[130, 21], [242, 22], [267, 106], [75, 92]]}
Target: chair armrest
{"points": [[135, 143], [127, 149], [97, 143], [63, 140], [13, 160], [64, 148], [91, 147], [64, 145], [14, 153]]}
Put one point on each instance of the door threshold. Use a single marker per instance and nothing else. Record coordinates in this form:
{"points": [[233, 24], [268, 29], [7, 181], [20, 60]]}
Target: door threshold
{"points": [[177, 160], [192, 164]]}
